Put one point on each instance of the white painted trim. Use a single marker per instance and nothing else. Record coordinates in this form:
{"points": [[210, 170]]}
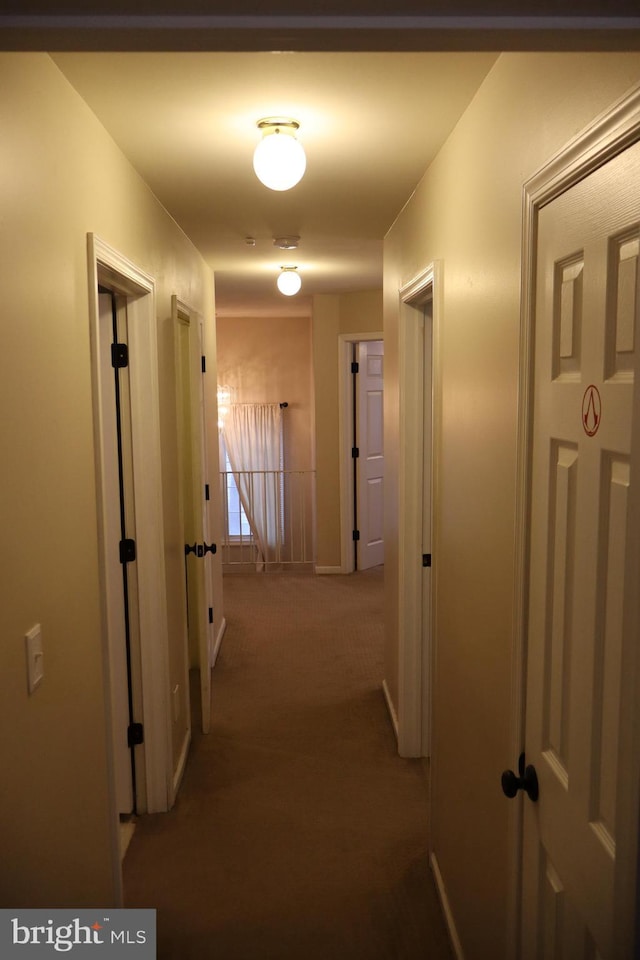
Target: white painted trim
{"points": [[345, 442], [182, 762], [329, 570], [611, 133], [113, 269], [390, 707], [446, 908], [412, 700], [218, 642]]}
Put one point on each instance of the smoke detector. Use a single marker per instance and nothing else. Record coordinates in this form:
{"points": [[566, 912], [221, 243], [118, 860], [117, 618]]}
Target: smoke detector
{"points": [[286, 243]]}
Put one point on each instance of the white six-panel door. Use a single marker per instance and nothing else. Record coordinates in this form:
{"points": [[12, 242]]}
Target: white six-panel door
{"points": [[587, 302], [370, 462]]}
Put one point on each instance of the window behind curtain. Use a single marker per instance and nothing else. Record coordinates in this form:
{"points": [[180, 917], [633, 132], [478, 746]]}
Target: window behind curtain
{"points": [[252, 451], [237, 524]]}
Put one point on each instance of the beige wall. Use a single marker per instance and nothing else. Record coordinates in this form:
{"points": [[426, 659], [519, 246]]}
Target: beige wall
{"points": [[334, 314], [467, 213], [61, 176], [268, 360]]}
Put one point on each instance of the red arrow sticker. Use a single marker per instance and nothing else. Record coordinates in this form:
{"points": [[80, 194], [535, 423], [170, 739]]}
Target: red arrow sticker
{"points": [[591, 410]]}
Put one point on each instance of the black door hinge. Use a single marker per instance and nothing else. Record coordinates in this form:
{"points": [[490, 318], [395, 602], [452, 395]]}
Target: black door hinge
{"points": [[206, 491], [426, 559], [127, 551], [203, 361], [210, 614], [356, 534], [119, 355], [355, 452], [135, 734], [355, 367]]}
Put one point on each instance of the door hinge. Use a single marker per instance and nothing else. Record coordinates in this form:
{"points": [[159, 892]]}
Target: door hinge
{"points": [[355, 367], [206, 491], [356, 534], [355, 452], [426, 559], [127, 551], [203, 362], [119, 355], [135, 734], [210, 614]]}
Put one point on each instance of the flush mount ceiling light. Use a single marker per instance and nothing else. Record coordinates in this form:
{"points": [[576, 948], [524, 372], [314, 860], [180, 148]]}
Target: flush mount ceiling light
{"points": [[289, 281], [279, 159]]}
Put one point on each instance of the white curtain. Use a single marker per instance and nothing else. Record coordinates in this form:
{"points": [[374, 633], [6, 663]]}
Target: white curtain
{"points": [[253, 438]]}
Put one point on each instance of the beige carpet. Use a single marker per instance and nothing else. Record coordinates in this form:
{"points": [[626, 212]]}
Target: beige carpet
{"points": [[298, 833]]}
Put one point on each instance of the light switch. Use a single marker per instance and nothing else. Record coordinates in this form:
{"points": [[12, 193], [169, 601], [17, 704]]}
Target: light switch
{"points": [[35, 659]]}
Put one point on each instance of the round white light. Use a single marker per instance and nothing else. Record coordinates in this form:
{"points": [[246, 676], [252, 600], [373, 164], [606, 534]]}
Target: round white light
{"points": [[289, 282], [279, 159]]}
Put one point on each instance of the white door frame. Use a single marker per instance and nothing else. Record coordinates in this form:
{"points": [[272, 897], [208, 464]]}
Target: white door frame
{"points": [[415, 624], [345, 443], [606, 137], [108, 267]]}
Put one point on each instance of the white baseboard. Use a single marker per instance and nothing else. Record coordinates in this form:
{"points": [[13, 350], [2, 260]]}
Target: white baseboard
{"points": [[216, 646], [182, 762], [390, 707], [322, 570], [446, 909]]}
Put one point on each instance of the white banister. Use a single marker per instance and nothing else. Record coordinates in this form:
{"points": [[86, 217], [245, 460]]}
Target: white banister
{"points": [[290, 496]]}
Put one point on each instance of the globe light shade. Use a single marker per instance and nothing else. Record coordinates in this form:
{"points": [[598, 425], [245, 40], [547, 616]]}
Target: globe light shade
{"points": [[279, 159], [289, 281]]}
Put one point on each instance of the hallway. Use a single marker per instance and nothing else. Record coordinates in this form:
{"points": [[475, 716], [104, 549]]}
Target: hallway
{"points": [[298, 832]]}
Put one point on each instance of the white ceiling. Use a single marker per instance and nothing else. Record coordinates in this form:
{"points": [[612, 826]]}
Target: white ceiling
{"points": [[370, 124]]}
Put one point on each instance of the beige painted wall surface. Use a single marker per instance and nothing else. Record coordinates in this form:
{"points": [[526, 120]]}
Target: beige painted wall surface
{"points": [[268, 360], [334, 314], [61, 177], [467, 213]]}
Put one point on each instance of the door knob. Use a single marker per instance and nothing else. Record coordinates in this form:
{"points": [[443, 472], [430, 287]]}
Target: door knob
{"points": [[200, 549], [527, 781]]}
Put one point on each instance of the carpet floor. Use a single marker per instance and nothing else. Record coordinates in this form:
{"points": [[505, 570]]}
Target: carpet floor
{"points": [[298, 833]]}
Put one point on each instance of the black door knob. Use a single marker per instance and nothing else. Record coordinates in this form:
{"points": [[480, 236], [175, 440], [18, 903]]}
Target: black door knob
{"points": [[527, 781], [200, 549]]}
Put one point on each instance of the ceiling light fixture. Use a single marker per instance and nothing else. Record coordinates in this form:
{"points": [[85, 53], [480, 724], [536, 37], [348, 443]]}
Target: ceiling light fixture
{"points": [[289, 281], [279, 159]]}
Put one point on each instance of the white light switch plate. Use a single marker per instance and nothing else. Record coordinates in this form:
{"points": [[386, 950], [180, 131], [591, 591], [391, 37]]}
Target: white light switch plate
{"points": [[35, 658]]}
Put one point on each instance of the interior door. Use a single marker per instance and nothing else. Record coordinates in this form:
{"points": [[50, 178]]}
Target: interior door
{"points": [[427, 494], [198, 575], [370, 460], [587, 303], [119, 525], [207, 638]]}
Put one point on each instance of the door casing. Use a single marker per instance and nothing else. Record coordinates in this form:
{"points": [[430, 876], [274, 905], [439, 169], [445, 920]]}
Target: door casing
{"points": [[606, 137], [108, 267], [416, 608]]}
